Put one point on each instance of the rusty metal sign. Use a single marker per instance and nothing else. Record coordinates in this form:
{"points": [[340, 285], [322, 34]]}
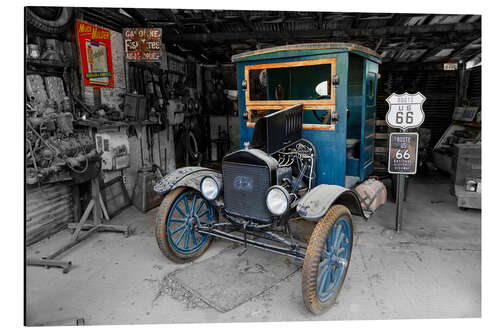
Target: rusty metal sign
{"points": [[142, 44], [405, 110], [403, 153]]}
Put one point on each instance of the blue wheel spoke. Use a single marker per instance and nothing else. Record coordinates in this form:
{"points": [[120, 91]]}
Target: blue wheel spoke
{"points": [[321, 277], [177, 220], [329, 241], [180, 237], [186, 205], [322, 265], [177, 230], [337, 235], [179, 210], [338, 274], [194, 205], [193, 237], [199, 207], [186, 243], [341, 240], [332, 277], [325, 281], [204, 213]]}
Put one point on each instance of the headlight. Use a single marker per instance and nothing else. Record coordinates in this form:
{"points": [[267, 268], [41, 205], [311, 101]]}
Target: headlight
{"points": [[277, 200], [209, 188]]}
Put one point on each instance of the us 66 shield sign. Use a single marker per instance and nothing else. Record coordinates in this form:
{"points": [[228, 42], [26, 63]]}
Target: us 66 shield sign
{"points": [[405, 111], [403, 151]]}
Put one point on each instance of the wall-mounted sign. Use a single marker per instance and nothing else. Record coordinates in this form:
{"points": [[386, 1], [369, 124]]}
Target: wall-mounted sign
{"points": [[405, 111], [142, 44], [452, 66], [95, 55], [403, 151], [465, 113]]}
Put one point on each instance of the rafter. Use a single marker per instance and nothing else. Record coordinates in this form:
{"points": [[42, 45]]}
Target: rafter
{"points": [[394, 31]]}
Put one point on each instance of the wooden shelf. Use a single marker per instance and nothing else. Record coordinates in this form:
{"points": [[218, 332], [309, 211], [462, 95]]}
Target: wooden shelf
{"points": [[381, 150], [468, 123], [100, 124], [47, 63]]}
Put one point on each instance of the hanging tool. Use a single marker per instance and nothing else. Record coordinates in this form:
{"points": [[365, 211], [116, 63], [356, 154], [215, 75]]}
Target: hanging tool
{"points": [[159, 150], [140, 143]]}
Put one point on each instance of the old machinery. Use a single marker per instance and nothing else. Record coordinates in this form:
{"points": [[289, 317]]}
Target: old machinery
{"points": [[114, 149]]}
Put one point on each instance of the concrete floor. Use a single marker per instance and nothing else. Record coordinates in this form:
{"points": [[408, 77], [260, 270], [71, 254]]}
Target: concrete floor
{"points": [[431, 270]]}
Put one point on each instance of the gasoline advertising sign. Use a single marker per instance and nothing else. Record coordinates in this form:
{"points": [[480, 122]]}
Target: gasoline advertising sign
{"points": [[95, 55], [405, 110], [403, 151], [142, 44]]}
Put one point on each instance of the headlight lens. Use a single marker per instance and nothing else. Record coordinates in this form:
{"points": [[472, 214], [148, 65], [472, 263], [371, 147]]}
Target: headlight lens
{"points": [[209, 188], [277, 200]]}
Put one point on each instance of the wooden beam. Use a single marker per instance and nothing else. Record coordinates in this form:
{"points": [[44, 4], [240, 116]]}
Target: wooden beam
{"points": [[136, 15], [413, 66], [475, 54], [98, 19], [355, 22], [458, 52], [395, 31], [394, 20], [168, 13], [320, 21], [246, 19]]}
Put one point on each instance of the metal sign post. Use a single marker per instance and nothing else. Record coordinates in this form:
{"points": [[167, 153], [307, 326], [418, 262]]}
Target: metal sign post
{"points": [[403, 153], [405, 111]]}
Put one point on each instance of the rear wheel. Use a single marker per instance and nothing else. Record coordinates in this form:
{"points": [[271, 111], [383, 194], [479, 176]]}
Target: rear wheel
{"points": [[177, 216], [327, 259]]}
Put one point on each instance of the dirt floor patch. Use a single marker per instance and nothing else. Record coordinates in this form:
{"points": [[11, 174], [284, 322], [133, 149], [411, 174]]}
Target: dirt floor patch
{"points": [[233, 277], [169, 287]]}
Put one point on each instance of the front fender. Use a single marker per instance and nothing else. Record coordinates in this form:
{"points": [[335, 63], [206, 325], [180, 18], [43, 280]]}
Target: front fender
{"points": [[316, 202], [187, 176]]}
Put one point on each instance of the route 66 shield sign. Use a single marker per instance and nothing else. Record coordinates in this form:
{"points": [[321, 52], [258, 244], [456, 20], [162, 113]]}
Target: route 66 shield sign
{"points": [[405, 111]]}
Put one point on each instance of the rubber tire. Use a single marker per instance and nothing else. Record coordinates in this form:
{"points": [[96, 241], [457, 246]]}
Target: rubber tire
{"points": [[161, 230], [51, 26], [313, 257]]}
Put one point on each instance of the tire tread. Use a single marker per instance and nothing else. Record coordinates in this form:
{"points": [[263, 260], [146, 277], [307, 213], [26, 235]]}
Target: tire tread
{"points": [[313, 256], [161, 230]]}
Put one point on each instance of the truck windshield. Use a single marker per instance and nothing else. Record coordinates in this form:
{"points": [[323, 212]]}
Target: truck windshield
{"points": [[290, 83]]}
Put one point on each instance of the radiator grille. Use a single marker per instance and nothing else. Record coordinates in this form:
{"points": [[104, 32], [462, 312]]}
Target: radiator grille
{"points": [[245, 188]]}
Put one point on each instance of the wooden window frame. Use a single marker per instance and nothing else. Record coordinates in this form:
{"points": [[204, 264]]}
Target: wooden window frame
{"points": [[323, 104]]}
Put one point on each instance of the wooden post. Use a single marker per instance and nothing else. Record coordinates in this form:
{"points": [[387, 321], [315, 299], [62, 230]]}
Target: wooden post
{"points": [[77, 207]]}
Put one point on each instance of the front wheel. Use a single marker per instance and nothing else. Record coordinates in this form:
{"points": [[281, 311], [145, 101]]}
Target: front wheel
{"points": [[327, 259], [177, 216]]}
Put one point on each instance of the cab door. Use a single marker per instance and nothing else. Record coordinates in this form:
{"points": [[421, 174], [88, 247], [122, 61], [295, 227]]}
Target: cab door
{"points": [[370, 79]]}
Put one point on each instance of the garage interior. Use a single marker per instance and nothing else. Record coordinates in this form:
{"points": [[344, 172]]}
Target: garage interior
{"points": [[182, 110]]}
